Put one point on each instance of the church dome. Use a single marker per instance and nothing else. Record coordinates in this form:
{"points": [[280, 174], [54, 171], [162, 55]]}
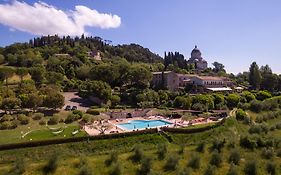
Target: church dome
{"points": [[195, 53], [195, 50]]}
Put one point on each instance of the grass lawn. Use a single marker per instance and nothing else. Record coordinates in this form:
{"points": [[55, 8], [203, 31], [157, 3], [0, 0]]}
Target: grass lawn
{"points": [[48, 134], [38, 131]]}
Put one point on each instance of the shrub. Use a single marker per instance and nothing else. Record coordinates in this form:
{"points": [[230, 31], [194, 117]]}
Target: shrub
{"points": [[19, 167], [86, 118], [200, 147], [199, 107], [24, 120], [115, 170], [161, 151], [185, 171], [145, 167], [6, 117], [171, 163], [53, 120], [52, 164], [240, 114], [210, 170], [232, 100], [267, 153], [72, 117], [37, 116], [82, 162], [278, 153], [85, 170], [271, 168], [42, 122], [78, 112], [262, 95], [244, 106], [257, 129], [8, 125], [278, 126], [247, 121], [232, 170], [137, 154], [251, 167], [217, 145], [256, 106], [93, 111], [181, 149], [234, 157], [113, 158], [194, 162], [259, 119], [216, 159], [248, 142]]}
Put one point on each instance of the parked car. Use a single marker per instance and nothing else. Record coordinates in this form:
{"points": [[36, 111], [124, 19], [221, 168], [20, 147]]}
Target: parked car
{"points": [[67, 108], [74, 108]]}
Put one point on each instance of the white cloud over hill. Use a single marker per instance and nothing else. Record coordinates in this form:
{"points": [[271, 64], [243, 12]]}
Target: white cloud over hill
{"points": [[43, 19]]}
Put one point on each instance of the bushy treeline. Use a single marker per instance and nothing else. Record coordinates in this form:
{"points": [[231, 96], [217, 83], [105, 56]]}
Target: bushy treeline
{"points": [[255, 100], [27, 95]]}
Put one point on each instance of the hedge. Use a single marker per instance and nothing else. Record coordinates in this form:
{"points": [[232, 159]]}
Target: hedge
{"points": [[74, 139], [192, 130]]}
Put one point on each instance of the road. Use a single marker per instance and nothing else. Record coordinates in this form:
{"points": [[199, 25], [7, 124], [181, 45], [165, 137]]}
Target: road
{"points": [[72, 99]]}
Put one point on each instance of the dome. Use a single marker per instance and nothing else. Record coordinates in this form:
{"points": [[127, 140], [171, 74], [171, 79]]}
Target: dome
{"points": [[195, 49], [195, 53]]}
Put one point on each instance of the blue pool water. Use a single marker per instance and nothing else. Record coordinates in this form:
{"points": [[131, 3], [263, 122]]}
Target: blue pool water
{"points": [[142, 124]]}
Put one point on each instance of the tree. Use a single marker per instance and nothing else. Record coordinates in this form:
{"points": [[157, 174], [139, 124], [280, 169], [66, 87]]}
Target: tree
{"points": [[262, 95], [182, 102], [98, 89], [54, 77], [140, 76], [2, 59], [32, 100], [115, 100], [21, 72], [216, 159], [53, 100], [37, 74], [251, 167], [255, 76], [6, 73], [10, 103], [232, 100], [204, 100], [218, 67]]}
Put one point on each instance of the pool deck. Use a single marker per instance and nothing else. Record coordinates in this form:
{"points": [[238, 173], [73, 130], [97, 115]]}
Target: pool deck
{"points": [[114, 128]]}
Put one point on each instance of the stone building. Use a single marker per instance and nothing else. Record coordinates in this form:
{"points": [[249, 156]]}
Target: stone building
{"points": [[174, 82], [167, 79], [196, 59]]}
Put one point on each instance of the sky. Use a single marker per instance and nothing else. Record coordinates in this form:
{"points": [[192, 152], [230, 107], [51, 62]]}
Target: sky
{"points": [[234, 33]]}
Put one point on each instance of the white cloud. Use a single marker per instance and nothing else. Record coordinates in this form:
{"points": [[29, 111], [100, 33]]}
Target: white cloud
{"points": [[44, 19]]}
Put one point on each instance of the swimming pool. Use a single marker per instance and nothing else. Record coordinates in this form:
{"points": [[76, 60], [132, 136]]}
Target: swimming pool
{"points": [[142, 124]]}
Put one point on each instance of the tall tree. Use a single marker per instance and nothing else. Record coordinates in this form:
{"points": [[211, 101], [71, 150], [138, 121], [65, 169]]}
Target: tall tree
{"points": [[6, 73], [21, 72], [255, 76], [218, 67]]}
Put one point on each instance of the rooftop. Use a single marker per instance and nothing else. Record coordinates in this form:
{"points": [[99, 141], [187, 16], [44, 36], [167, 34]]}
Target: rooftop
{"points": [[211, 78]]}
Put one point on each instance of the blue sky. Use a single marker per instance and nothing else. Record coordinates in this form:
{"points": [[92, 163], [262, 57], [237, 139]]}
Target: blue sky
{"points": [[234, 33]]}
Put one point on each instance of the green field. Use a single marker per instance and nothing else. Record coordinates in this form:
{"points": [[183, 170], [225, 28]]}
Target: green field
{"points": [[97, 151]]}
